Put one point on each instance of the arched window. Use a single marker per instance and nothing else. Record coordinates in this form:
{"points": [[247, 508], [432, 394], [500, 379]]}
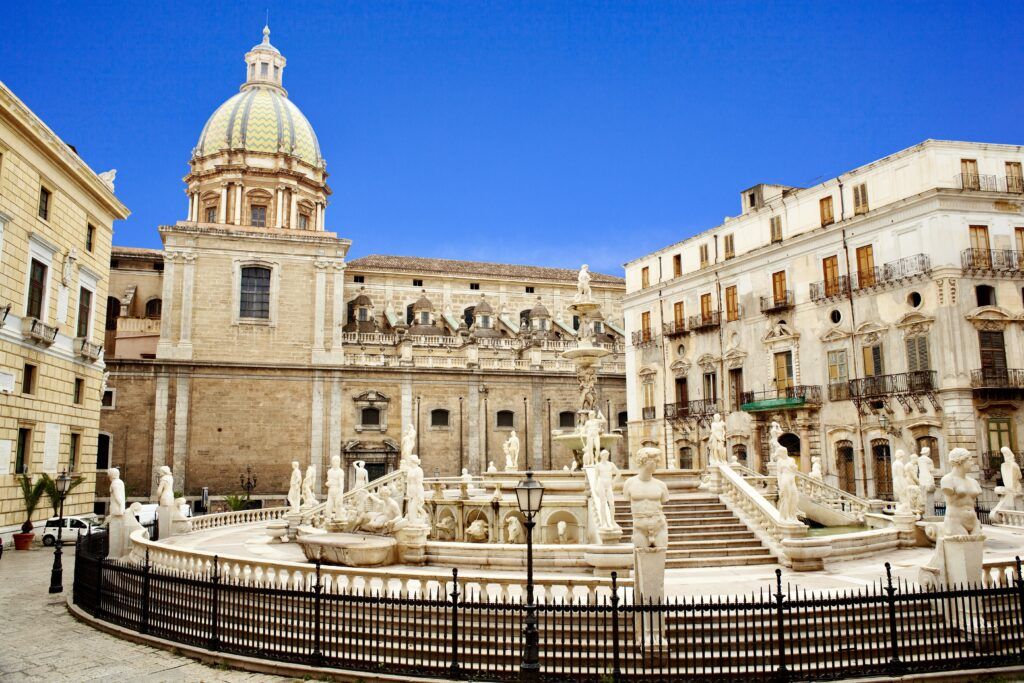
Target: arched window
{"points": [[370, 416], [255, 295], [844, 464], [567, 420], [883, 468], [113, 312], [506, 418], [153, 307], [438, 417]]}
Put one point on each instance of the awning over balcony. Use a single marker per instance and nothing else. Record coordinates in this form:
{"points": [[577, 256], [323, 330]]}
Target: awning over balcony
{"points": [[773, 404]]}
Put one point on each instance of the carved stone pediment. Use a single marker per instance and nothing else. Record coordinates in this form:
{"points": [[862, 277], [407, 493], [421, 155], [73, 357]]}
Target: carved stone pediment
{"points": [[870, 333], [990, 318], [647, 372], [835, 334], [371, 397], [734, 358], [915, 323], [680, 367], [780, 331], [708, 362]]}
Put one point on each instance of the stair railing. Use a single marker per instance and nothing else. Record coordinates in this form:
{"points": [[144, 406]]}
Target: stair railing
{"points": [[832, 497], [754, 510]]}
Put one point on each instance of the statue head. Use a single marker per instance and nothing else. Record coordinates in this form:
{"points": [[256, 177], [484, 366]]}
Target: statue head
{"points": [[359, 464], [295, 464], [136, 508], [465, 471], [648, 458], [414, 459], [113, 473], [959, 457], [385, 492], [604, 455], [165, 470], [926, 452], [901, 455], [335, 461], [584, 267], [718, 417], [1007, 454]]}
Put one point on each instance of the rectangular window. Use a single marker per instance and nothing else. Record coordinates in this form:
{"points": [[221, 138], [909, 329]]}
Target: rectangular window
{"points": [[90, 236], [830, 269], [648, 392], [645, 277], [107, 400], [24, 453], [73, 451], [860, 199], [84, 312], [255, 296], [873, 365], [36, 290], [472, 285], [825, 208], [730, 248], [865, 266], [838, 370], [44, 203], [258, 216], [28, 379], [211, 214], [1014, 177], [783, 371], [682, 390], [1019, 233], [776, 228], [710, 386], [645, 325], [732, 307], [77, 393], [359, 279], [735, 387], [1000, 434], [529, 290], [969, 178], [264, 69], [992, 346], [705, 307], [917, 353], [678, 314], [981, 256], [779, 287], [677, 265], [303, 222], [703, 256], [419, 283]]}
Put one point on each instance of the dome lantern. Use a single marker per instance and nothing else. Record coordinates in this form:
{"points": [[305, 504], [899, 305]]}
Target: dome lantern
{"points": [[264, 65]]}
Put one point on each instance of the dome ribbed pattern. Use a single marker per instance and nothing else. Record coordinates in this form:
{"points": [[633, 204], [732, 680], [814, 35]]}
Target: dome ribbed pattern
{"points": [[260, 120]]}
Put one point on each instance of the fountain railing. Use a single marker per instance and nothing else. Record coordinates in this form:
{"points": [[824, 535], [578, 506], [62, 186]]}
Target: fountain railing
{"points": [[760, 516], [832, 497], [236, 517]]}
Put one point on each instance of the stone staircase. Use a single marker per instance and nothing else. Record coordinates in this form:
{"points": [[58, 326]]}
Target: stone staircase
{"points": [[702, 532]]}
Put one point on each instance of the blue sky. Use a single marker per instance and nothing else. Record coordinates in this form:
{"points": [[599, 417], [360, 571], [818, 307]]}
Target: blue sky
{"points": [[528, 132]]}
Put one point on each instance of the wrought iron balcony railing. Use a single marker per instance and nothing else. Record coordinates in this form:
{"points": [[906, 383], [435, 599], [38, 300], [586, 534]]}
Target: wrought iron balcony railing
{"points": [[86, 349], [839, 391], [901, 269], [1014, 184], [704, 321], [676, 328], [992, 261], [36, 330], [974, 181], [700, 408], [643, 338], [834, 288], [783, 397], [774, 303], [881, 386], [997, 378]]}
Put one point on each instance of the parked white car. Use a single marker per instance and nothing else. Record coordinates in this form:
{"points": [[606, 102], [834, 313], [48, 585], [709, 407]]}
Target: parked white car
{"points": [[73, 528]]}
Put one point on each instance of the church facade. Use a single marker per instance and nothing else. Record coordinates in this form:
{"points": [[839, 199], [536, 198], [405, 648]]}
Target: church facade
{"points": [[252, 340]]}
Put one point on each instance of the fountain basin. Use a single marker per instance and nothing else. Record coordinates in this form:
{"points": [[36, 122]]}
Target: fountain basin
{"points": [[577, 441], [587, 354], [349, 550]]}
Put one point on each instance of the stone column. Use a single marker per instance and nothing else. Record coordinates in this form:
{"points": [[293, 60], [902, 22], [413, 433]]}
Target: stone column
{"points": [[159, 455], [320, 216], [179, 464], [338, 312], [406, 412], [319, 304], [278, 206], [187, 277], [166, 344], [222, 207], [334, 420], [238, 203], [537, 425], [316, 435], [293, 209], [473, 432], [191, 206], [805, 448]]}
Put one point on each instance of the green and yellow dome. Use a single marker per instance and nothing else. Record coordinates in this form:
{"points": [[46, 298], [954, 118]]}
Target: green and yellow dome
{"points": [[260, 119]]}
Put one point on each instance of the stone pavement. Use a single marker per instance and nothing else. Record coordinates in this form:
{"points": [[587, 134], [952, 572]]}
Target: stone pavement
{"points": [[40, 641]]}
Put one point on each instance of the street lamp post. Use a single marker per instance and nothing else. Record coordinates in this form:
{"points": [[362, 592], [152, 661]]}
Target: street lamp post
{"points": [[529, 493], [57, 573]]}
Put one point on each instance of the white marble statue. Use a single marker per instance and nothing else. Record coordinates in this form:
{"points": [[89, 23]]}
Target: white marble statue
{"points": [[415, 494], [132, 524], [308, 484], [816, 468], [165, 488], [591, 439], [646, 496], [491, 467], [926, 479], [478, 531], [716, 441], [466, 478], [1011, 489], [915, 501], [386, 514], [295, 488], [789, 494], [608, 475], [514, 530], [335, 487], [362, 476], [961, 493], [117, 534], [180, 522], [899, 483], [774, 432], [583, 284], [408, 443], [116, 506], [511, 448], [561, 528]]}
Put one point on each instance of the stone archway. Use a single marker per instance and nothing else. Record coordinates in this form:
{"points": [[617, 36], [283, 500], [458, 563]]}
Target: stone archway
{"points": [[381, 458], [791, 442]]}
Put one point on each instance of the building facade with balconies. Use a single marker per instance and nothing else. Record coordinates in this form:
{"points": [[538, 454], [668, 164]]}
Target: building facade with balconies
{"points": [[876, 311], [56, 222], [251, 339]]}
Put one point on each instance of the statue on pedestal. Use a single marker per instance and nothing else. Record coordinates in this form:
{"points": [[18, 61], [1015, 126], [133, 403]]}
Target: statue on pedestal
{"points": [[362, 476], [646, 496], [491, 467], [416, 510], [1011, 489], [926, 479], [408, 444], [789, 494], [604, 494], [959, 545], [511, 449], [295, 488], [816, 468], [308, 495], [915, 501], [165, 496], [774, 432], [335, 488], [116, 516], [591, 439], [386, 514], [899, 483], [716, 441], [583, 292]]}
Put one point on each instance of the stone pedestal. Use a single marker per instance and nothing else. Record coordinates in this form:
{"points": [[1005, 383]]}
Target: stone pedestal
{"points": [[649, 586], [807, 554], [957, 564], [294, 519], [117, 542], [906, 527], [165, 521], [610, 535], [412, 544]]}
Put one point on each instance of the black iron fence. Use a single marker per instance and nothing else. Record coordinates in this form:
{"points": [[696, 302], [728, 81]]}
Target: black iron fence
{"points": [[991, 260], [920, 381], [777, 634]]}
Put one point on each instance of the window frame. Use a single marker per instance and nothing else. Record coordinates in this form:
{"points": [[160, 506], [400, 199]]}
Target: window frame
{"points": [[729, 246], [23, 449], [499, 415], [253, 209], [775, 229], [44, 208], [562, 421], [29, 379], [84, 317], [827, 211], [77, 390], [438, 412], [90, 237], [236, 291]]}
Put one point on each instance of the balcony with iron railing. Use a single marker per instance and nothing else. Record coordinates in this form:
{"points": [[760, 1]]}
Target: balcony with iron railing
{"points": [[827, 290], [700, 409], [998, 383], [992, 261], [676, 328], [643, 338], [899, 384], [36, 330], [839, 391], [989, 183], [704, 321], [895, 271], [781, 398], [86, 349], [778, 302]]}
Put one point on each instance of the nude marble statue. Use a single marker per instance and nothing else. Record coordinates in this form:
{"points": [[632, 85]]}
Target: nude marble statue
{"points": [[789, 495], [646, 496], [335, 487], [511, 448], [295, 487], [308, 483], [716, 441], [165, 489], [608, 475]]}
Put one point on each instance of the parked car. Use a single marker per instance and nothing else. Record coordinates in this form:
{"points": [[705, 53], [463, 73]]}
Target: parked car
{"points": [[73, 528]]}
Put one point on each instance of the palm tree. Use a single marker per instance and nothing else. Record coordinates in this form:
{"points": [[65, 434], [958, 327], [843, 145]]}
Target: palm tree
{"points": [[50, 486], [31, 493]]}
